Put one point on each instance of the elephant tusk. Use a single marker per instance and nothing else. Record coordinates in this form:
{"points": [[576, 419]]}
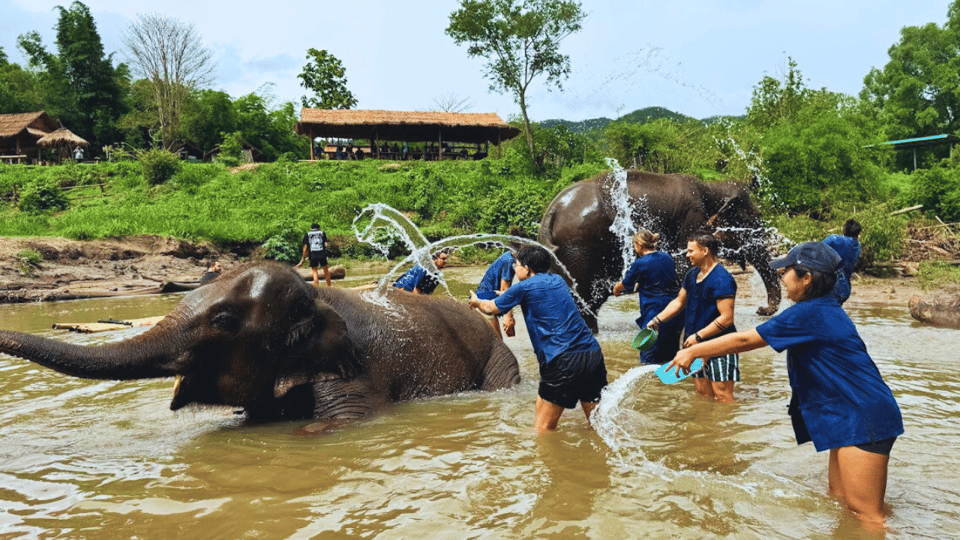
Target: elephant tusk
{"points": [[176, 385]]}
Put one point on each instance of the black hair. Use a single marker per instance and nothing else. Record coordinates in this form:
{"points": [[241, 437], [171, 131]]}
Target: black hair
{"points": [[315, 226], [535, 258], [706, 240], [851, 228], [821, 283]]}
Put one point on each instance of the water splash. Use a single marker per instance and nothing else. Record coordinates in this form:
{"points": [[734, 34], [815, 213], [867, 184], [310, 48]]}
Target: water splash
{"points": [[387, 222], [622, 227], [605, 418]]}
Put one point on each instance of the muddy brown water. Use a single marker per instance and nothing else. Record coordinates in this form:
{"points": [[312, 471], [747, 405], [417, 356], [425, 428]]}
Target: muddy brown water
{"points": [[101, 459]]}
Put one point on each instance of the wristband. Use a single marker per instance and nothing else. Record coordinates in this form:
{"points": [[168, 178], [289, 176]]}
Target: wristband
{"points": [[697, 335]]}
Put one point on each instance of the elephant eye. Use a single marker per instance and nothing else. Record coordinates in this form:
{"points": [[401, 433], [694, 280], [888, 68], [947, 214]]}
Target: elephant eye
{"points": [[228, 322]]}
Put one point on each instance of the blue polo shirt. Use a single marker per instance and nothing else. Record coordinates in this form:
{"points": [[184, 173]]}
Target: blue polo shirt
{"points": [[417, 277], [656, 274], [701, 308], [849, 250], [839, 398], [501, 269], [553, 320]]}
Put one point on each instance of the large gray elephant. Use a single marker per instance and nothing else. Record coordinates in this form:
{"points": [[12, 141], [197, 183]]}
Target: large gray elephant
{"points": [[577, 227], [263, 339]]}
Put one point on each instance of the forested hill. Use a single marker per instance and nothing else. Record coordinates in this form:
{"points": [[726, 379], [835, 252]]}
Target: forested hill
{"points": [[639, 116]]}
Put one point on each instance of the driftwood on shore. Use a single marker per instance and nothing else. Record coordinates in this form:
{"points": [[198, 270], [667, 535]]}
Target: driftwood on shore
{"points": [[940, 310]]}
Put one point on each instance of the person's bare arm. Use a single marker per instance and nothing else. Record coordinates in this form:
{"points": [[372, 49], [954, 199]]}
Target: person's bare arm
{"points": [[736, 342], [488, 307], [716, 326], [670, 311]]}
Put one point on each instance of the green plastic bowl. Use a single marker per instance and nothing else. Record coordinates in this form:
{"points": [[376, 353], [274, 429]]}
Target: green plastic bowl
{"points": [[645, 339]]}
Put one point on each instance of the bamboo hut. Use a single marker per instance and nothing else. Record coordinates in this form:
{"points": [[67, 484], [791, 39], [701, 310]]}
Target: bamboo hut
{"points": [[440, 130], [20, 132], [64, 141]]}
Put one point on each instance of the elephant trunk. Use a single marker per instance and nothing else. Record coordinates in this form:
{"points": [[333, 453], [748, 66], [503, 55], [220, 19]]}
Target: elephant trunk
{"points": [[146, 356]]}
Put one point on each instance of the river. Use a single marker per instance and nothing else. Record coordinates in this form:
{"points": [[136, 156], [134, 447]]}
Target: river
{"points": [[102, 459]]}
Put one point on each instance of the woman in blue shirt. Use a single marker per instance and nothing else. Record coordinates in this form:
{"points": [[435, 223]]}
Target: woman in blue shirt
{"points": [[707, 300], [654, 275], [571, 363], [839, 401]]}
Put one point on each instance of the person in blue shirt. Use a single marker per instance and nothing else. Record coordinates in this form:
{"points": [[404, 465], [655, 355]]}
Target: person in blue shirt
{"points": [[653, 275], [848, 248], [707, 299], [839, 399], [498, 278], [418, 281], [571, 363]]}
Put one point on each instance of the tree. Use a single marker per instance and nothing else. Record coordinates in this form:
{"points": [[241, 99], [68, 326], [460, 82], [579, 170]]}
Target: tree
{"points": [[326, 76], [207, 114], [451, 103], [19, 88], [79, 84], [171, 57], [917, 93], [521, 41]]}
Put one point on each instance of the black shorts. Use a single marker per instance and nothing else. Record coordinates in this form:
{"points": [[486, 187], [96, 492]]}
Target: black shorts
{"points": [[572, 377], [318, 259], [879, 447]]}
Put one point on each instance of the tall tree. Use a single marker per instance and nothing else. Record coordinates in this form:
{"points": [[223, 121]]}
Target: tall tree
{"points": [[19, 89], [94, 82], [325, 75], [520, 40], [80, 84], [917, 93], [170, 55]]}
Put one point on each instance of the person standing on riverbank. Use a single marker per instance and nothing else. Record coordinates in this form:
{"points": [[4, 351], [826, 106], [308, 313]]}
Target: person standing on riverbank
{"points": [[497, 279], [840, 401], [315, 247], [572, 367], [848, 248], [707, 300], [654, 275]]}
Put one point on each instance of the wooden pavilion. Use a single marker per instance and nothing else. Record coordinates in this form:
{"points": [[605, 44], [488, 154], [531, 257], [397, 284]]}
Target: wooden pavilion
{"points": [[19, 134], [445, 134], [63, 141]]}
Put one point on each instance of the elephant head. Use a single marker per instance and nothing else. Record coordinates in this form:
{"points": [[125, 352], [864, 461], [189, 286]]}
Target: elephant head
{"points": [[244, 340]]}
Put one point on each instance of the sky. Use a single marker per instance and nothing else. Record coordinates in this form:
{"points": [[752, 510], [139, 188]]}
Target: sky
{"points": [[700, 58]]}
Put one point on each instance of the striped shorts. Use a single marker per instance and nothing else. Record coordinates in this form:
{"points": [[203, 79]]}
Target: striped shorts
{"points": [[721, 368]]}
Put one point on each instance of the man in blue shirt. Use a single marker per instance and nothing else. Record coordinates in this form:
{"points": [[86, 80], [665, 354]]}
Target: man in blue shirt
{"points": [[707, 300], [418, 281], [571, 363], [498, 278], [848, 248]]}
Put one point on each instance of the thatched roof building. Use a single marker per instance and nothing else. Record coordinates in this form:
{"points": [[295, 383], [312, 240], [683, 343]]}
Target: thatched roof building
{"points": [[62, 138], [434, 127], [19, 133]]}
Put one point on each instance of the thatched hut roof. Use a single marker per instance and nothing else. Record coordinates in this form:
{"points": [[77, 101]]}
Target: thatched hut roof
{"points": [[404, 126], [60, 138], [36, 124]]}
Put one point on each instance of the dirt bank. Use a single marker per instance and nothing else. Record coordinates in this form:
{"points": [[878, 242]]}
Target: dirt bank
{"points": [[69, 269]]}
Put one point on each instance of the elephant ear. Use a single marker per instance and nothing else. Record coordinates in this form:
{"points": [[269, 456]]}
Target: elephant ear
{"points": [[320, 350]]}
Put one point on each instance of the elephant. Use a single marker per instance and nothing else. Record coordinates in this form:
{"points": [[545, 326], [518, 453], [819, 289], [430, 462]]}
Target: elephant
{"points": [[577, 228], [263, 339], [941, 310]]}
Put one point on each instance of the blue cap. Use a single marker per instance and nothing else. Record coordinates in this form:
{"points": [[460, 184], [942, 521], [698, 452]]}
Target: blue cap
{"points": [[813, 255]]}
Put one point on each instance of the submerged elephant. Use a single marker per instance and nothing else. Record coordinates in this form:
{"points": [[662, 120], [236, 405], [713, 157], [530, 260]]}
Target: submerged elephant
{"points": [[263, 339], [576, 226]]}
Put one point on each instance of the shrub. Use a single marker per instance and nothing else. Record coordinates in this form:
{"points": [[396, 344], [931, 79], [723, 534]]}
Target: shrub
{"points": [[158, 166], [41, 195], [29, 259]]}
